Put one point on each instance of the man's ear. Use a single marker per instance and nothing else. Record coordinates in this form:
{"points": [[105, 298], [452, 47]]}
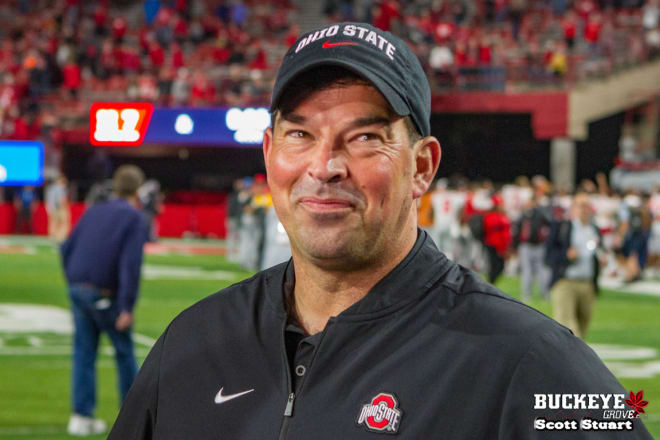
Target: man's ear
{"points": [[267, 144], [427, 153]]}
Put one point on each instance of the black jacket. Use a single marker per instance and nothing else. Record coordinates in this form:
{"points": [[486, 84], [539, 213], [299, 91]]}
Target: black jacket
{"points": [[537, 222], [440, 353], [556, 248]]}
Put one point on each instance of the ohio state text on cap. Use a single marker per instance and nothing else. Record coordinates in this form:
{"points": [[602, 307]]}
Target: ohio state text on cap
{"points": [[380, 57]]}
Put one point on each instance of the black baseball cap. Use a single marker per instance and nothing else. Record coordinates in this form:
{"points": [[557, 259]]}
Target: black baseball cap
{"points": [[380, 57]]}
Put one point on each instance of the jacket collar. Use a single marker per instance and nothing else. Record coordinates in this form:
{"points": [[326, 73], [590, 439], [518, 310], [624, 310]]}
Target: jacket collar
{"points": [[411, 278]]}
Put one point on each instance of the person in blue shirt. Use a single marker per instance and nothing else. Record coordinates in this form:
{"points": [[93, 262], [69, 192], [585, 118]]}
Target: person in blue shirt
{"points": [[25, 203], [102, 259]]}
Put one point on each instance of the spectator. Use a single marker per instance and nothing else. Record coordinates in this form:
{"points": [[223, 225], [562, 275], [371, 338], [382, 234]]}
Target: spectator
{"points": [[25, 204], [151, 201], [497, 238], [181, 87], [156, 55], [530, 234], [635, 229], [119, 28], [57, 207], [572, 254], [72, 77], [102, 260]]}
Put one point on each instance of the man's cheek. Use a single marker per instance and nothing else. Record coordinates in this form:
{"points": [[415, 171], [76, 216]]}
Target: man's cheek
{"points": [[284, 168]]}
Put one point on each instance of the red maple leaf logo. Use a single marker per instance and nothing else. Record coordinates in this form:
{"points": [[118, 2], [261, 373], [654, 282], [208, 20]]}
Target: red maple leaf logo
{"points": [[637, 402]]}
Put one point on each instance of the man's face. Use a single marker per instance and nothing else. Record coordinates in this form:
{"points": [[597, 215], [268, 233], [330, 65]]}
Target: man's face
{"points": [[582, 208], [341, 172]]}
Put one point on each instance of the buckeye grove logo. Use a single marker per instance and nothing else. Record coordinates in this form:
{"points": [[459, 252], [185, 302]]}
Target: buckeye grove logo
{"points": [[614, 415], [381, 414]]}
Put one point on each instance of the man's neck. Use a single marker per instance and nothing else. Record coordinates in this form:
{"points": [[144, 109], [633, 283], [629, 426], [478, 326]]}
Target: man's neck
{"points": [[320, 294], [132, 200]]}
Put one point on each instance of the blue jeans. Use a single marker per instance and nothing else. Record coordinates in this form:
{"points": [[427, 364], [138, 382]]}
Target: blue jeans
{"points": [[92, 313]]}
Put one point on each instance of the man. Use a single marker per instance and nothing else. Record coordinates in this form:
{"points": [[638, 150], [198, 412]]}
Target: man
{"points": [[572, 253], [57, 207], [635, 232], [102, 260], [497, 238], [25, 203], [368, 329], [531, 231], [233, 219]]}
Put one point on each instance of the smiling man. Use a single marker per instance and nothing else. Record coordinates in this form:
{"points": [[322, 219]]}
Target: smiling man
{"points": [[369, 329]]}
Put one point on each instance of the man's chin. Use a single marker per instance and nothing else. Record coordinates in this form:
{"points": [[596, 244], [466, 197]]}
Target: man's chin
{"points": [[322, 246]]}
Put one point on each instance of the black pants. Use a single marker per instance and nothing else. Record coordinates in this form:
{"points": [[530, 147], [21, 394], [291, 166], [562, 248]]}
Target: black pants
{"points": [[495, 264]]}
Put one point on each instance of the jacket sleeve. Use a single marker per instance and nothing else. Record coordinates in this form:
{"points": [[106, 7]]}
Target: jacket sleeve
{"points": [[130, 263], [138, 413], [559, 363]]}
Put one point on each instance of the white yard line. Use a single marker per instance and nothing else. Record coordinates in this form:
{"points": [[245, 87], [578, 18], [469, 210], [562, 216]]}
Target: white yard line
{"points": [[644, 287]]}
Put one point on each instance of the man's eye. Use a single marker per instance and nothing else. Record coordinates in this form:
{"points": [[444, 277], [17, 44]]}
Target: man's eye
{"points": [[366, 137], [297, 134]]}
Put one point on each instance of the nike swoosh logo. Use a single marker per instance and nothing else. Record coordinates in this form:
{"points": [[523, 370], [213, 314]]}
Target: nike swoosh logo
{"points": [[328, 45], [219, 398]]}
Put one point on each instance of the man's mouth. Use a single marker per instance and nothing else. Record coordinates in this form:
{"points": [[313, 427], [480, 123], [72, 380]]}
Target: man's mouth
{"points": [[319, 204]]}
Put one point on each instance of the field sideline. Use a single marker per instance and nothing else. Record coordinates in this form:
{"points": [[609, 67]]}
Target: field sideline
{"points": [[35, 329]]}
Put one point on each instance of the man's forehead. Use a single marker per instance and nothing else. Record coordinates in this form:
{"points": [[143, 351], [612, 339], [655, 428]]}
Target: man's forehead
{"points": [[380, 110]]}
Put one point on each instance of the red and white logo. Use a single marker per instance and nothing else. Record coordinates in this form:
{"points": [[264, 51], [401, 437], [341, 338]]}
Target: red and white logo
{"points": [[382, 414], [119, 124]]}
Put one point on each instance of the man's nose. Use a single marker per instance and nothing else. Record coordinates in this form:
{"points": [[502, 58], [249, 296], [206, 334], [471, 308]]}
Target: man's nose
{"points": [[328, 164]]}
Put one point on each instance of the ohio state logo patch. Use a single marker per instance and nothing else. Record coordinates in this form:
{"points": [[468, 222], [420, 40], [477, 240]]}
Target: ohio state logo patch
{"points": [[382, 414]]}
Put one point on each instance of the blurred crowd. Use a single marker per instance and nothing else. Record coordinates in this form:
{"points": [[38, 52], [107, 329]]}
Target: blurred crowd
{"points": [[67, 53], [496, 229], [255, 237], [499, 44], [488, 229], [64, 54], [493, 230]]}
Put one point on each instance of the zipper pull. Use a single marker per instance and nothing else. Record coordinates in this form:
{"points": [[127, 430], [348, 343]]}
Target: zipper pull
{"points": [[288, 411]]}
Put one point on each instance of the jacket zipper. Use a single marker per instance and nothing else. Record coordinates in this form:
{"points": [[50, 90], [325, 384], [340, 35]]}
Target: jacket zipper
{"points": [[288, 410]]}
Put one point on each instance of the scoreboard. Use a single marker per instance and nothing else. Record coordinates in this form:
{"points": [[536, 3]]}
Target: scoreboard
{"points": [[134, 124], [21, 163]]}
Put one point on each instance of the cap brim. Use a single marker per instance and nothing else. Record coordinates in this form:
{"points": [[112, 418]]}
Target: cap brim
{"points": [[391, 96]]}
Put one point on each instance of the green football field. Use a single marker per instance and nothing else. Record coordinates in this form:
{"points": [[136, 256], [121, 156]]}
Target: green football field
{"points": [[35, 329]]}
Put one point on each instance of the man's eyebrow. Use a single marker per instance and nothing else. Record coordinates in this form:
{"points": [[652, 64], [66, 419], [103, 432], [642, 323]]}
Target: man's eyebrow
{"points": [[371, 120], [384, 121], [293, 118]]}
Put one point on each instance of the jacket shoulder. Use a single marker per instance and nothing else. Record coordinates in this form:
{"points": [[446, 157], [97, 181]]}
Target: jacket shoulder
{"points": [[481, 308], [236, 301]]}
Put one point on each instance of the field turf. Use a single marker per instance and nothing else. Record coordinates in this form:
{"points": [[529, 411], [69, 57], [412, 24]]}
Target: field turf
{"points": [[35, 365]]}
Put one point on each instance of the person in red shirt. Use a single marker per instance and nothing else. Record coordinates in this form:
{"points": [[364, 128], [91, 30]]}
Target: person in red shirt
{"points": [[100, 16], [72, 77], [156, 55], [119, 28], [444, 31], [497, 238], [292, 35], [592, 29], [485, 51], [203, 92], [385, 13], [569, 26], [259, 61], [180, 29], [176, 55]]}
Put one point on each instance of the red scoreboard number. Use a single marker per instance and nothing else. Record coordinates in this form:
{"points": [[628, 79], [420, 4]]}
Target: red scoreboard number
{"points": [[119, 124]]}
